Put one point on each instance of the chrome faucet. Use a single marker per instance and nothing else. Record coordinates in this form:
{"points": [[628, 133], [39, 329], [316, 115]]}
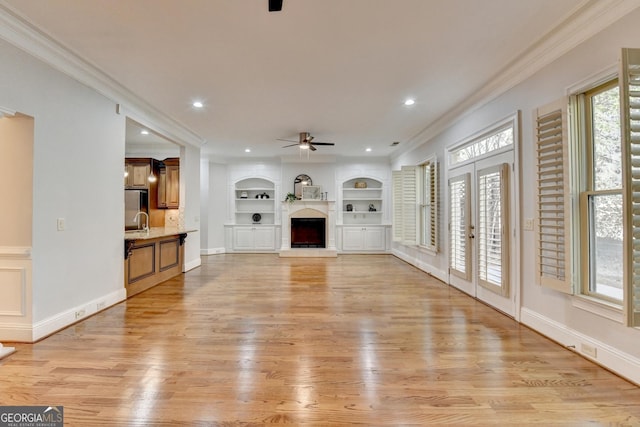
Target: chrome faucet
{"points": [[146, 225]]}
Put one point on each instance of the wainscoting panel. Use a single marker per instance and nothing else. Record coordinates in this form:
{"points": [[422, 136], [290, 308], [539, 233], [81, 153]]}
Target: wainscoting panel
{"points": [[13, 282], [15, 294]]}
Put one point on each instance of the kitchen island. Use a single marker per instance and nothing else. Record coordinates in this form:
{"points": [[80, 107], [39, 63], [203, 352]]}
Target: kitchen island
{"points": [[153, 256]]}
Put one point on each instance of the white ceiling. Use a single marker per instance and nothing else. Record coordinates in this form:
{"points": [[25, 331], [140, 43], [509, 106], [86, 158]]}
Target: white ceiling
{"points": [[339, 69]]}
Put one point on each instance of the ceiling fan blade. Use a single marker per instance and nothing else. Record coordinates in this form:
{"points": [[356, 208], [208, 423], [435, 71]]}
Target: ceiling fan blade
{"points": [[291, 145], [287, 140], [275, 5], [312, 148], [323, 143]]}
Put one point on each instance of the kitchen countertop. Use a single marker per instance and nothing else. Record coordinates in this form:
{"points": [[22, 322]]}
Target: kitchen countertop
{"points": [[155, 232]]}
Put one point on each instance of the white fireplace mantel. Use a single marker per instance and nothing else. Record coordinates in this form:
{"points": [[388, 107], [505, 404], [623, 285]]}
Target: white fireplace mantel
{"points": [[304, 209]]}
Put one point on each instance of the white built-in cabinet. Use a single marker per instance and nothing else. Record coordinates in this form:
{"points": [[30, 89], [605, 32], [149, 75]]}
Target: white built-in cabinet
{"points": [[363, 238], [362, 212], [250, 238], [254, 215]]}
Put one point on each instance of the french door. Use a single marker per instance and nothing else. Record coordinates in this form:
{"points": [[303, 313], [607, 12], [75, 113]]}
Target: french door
{"points": [[481, 229]]}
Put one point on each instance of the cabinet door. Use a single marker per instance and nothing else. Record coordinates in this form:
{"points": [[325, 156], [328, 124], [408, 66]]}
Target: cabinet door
{"points": [[162, 185], [374, 238], [352, 238], [173, 187], [139, 175], [243, 238], [264, 238]]}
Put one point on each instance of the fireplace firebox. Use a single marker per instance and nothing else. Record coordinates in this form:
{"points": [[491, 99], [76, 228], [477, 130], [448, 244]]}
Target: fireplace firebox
{"points": [[308, 233]]}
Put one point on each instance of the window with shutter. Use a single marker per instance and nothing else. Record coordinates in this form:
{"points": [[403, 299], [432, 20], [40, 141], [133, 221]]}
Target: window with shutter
{"points": [[553, 198], [630, 114]]}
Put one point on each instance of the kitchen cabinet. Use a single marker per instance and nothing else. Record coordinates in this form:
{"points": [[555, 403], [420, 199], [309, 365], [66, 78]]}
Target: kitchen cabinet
{"points": [[137, 171], [256, 238], [364, 238], [169, 183]]}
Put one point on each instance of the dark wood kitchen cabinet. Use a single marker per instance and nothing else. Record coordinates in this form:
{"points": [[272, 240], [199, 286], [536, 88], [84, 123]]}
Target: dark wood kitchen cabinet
{"points": [[169, 184], [137, 173]]}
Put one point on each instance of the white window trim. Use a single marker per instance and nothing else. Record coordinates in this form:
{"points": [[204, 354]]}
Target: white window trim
{"points": [[598, 307], [590, 304], [512, 120]]}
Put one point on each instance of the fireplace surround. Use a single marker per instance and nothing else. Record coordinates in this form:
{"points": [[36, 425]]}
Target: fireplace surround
{"points": [[309, 209]]}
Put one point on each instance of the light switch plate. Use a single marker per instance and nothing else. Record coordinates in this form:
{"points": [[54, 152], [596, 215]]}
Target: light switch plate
{"points": [[60, 224], [528, 224]]}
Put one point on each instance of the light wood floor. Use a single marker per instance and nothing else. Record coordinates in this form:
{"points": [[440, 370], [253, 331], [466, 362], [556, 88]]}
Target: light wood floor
{"points": [[257, 339]]}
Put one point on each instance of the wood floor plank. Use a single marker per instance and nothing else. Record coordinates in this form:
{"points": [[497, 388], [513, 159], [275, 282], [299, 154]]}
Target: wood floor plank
{"points": [[254, 339]]}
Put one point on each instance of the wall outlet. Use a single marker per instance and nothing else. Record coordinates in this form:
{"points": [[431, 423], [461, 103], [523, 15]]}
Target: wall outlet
{"points": [[589, 350], [80, 314], [101, 305]]}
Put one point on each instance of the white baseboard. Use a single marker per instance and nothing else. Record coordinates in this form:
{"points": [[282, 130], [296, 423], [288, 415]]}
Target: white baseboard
{"points": [[16, 333], [603, 354], [427, 268], [192, 264], [61, 320], [212, 251]]}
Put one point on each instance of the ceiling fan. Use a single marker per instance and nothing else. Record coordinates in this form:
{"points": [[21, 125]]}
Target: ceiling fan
{"points": [[305, 142]]}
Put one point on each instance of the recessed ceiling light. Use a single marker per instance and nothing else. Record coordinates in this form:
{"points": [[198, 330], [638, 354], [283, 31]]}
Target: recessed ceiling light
{"points": [[247, 150], [409, 101], [144, 132], [368, 149], [197, 104]]}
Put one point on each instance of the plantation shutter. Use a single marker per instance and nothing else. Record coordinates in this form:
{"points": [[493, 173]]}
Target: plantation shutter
{"points": [[630, 115], [553, 236], [410, 191], [406, 187], [396, 177], [431, 205], [492, 232], [459, 216]]}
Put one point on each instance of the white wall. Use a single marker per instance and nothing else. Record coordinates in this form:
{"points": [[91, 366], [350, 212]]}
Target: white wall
{"points": [[190, 206], [214, 211], [549, 312], [77, 175]]}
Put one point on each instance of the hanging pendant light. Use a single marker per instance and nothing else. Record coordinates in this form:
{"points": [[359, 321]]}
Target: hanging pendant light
{"points": [[152, 177]]}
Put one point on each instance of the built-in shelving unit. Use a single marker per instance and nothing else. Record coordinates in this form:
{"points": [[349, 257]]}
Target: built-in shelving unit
{"points": [[362, 201], [362, 228], [253, 228], [255, 202]]}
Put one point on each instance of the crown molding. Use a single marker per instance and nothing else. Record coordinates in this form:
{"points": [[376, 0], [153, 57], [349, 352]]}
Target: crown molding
{"points": [[588, 19], [21, 33], [5, 112]]}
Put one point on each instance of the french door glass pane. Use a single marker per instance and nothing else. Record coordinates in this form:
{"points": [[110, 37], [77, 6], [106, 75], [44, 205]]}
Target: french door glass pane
{"points": [[458, 238], [606, 245], [490, 228]]}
